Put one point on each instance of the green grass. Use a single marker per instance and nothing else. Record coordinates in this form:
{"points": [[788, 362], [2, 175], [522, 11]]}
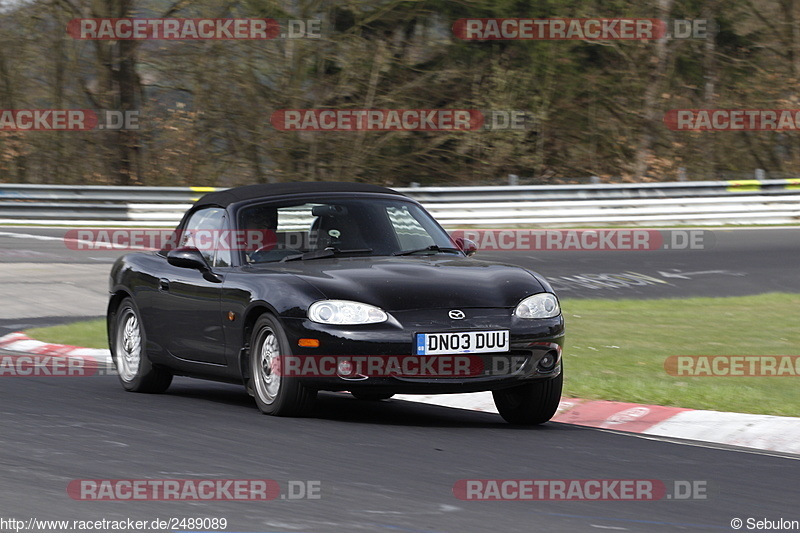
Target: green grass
{"points": [[616, 349], [88, 334]]}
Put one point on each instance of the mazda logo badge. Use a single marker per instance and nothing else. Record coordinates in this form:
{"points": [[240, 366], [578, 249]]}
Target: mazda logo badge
{"points": [[456, 314]]}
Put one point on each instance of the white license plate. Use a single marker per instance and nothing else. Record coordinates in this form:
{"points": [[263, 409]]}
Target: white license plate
{"points": [[462, 342]]}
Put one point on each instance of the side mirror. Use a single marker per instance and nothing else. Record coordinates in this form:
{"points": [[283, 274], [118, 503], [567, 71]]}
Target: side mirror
{"points": [[468, 246], [189, 257]]}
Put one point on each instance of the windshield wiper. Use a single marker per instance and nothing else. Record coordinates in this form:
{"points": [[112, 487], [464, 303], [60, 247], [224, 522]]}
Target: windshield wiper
{"points": [[322, 254], [431, 248]]}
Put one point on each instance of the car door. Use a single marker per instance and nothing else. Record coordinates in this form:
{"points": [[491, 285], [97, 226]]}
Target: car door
{"points": [[186, 305]]}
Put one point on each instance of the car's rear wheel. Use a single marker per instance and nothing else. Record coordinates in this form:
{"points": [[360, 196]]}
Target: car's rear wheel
{"points": [[530, 404], [135, 371], [275, 394], [371, 396]]}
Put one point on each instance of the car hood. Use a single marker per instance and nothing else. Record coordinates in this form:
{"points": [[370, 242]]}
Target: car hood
{"points": [[405, 283]]}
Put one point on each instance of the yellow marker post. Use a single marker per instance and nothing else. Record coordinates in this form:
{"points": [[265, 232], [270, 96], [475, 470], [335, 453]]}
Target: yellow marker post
{"points": [[744, 186], [203, 190]]}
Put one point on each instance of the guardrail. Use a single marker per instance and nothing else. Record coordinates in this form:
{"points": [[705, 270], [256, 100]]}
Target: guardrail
{"points": [[606, 191], [704, 202]]}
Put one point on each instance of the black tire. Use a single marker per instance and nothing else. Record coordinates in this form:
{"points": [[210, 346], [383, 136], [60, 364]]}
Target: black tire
{"points": [[530, 404], [128, 341], [371, 396], [275, 395]]}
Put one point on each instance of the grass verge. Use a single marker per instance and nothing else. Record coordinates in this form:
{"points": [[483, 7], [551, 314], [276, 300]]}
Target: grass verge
{"points": [[88, 334], [616, 349]]}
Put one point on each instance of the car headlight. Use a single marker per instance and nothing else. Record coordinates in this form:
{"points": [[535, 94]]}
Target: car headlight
{"points": [[345, 312], [542, 305]]}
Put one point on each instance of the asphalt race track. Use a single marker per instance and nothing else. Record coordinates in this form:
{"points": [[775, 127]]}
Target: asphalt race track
{"points": [[381, 466], [386, 466]]}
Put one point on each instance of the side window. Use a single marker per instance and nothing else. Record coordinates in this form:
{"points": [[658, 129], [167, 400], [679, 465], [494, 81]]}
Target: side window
{"points": [[410, 233], [206, 232]]}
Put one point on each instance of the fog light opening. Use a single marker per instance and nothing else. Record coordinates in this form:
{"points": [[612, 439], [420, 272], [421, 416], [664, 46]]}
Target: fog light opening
{"points": [[548, 362]]}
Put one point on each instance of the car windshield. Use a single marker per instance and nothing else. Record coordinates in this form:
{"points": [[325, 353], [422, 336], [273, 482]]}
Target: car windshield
{"points": [[348, 227]]}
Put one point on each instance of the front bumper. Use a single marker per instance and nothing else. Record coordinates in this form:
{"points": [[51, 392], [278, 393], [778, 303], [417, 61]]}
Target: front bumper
{"points": [[534, 354]]}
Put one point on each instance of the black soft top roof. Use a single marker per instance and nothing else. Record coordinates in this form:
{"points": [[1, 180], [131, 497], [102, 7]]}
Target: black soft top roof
{"points": [[272, 190]]}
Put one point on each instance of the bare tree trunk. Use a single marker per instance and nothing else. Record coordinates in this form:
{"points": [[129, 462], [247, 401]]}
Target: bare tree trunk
{"points": [[121, 87], [788, 9], [650, 109], [55, 173], [8, 101], [792, 39], [127, 86], [711, 75]]}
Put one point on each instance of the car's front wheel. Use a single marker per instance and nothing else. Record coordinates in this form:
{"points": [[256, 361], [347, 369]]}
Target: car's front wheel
{"points": [[275, 394], [135, 371], [530, 404]]}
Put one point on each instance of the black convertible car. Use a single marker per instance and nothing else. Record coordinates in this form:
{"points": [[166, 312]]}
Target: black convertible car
{"points": [[290, 289]]}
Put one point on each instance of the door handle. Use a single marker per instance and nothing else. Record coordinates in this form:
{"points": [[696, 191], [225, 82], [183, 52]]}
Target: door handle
{"points": [[163, 285]]}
